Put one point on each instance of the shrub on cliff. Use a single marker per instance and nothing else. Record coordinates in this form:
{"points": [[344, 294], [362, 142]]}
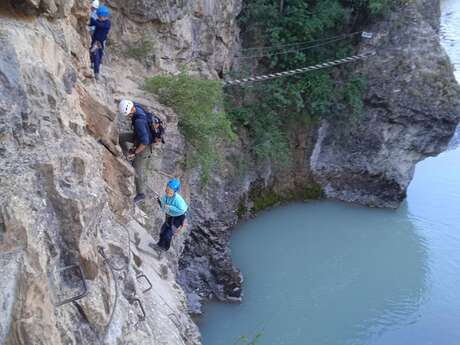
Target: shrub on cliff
{"points": [[197, 102], [142, 50]]}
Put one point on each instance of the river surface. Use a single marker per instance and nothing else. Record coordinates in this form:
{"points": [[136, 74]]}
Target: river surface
{"points": [[328, 273]]}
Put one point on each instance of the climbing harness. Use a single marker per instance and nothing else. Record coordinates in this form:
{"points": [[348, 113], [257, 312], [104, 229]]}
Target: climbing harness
{"points": [[299, 70]]}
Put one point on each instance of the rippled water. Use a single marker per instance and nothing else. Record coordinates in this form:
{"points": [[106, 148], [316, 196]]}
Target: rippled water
{"points": [[327, 273], [450, 31], [450, 38]]}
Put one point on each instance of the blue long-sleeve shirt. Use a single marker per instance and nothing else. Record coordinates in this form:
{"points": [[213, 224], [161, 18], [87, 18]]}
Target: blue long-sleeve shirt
{"points": [[102, 28], [92, 15], [141, 126], [176, 205]]}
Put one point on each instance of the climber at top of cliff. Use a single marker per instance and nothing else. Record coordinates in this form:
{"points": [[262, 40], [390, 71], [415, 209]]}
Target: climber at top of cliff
{"points": [[147, 130], [102, 27], [94, 7], [175, 209], [93, 15]]}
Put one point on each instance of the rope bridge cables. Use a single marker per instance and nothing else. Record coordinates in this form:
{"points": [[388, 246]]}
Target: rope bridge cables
{"points": [[319, 66], [295, 49], [291, 45]]}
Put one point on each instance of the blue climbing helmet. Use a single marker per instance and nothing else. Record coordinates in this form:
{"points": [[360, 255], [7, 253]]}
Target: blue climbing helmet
{"points": [[103, 11], [174, 184]]}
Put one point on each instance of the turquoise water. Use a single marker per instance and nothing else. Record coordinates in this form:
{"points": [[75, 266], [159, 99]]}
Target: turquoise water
{"points": [[328, 273], [450, 31], [332, 273]]}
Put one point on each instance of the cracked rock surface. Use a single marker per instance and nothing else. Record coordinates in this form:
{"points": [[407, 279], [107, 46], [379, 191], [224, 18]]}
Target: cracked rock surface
{"points": [[66, 192]]}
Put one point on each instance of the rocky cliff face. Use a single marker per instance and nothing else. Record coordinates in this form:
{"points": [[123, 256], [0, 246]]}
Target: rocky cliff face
{"points": [[411, 111], [68, 230], [412, 108], [65, 201]]}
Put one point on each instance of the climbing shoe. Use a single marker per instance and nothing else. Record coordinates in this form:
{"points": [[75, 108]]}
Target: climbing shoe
{"points": [[139, 198], [158, 250], [156, 247]]}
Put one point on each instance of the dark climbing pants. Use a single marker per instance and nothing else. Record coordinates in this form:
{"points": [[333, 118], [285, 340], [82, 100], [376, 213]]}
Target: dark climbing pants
{"points": [[138, 162], [168, 229], [96, 54]]}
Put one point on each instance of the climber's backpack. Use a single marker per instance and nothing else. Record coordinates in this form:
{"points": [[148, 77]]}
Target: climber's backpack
{"points": [[152, 119], [157, 133]]}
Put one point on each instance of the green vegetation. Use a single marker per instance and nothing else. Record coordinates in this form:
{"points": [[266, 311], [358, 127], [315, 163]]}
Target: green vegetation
{"points": [[197, 102], [263, 198], [270, 109], [268, 112], [141, 50], [242, 210], [377, 8]]}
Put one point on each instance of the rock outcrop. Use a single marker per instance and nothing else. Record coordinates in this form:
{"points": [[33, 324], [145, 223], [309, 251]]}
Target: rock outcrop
{"points": [[412, 108], [411, 111]]}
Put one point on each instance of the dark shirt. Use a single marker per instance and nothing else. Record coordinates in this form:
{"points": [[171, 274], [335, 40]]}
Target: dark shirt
{"points": [[141, 126], [102, 29]]}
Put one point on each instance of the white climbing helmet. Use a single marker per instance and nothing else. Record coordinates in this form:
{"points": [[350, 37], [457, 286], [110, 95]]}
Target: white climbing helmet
{"points": [[125, 106], [95, 4]]}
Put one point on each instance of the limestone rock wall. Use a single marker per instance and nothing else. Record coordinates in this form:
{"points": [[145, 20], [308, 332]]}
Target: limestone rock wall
{"points": [[66, 191], [200, 35]]}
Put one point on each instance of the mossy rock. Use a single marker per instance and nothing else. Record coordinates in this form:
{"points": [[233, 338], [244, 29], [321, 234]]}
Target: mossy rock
{"points": [[263, 198]]}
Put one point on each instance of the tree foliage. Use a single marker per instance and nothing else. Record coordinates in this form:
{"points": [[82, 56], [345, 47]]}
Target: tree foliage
{"points": [[197, 102], [268, 109]]}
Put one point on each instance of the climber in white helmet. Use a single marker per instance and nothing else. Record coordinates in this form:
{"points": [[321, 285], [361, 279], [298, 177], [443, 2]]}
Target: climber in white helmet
{"points": [[94, 7], [140, 138]]}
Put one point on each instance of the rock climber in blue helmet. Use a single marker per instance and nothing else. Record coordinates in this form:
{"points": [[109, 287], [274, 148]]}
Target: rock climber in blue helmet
{"points": [[175, 208], [101, 27]]}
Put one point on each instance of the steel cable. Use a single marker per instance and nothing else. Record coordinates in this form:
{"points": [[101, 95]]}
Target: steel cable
{"points": [[291, 51], [319, 66], [343, 36]]}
